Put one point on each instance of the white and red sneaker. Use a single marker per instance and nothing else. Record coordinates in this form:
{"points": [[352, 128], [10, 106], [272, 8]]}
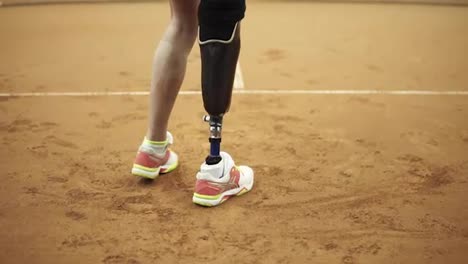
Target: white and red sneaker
{"points": [[154, 158], [219, 182]]}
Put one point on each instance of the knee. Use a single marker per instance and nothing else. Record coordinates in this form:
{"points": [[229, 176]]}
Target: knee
{"points": [[185, 26], [184, 19]]}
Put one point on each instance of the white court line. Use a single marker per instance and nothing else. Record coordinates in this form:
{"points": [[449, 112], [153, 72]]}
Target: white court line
{"points": [[238, 78], [271, 92]]}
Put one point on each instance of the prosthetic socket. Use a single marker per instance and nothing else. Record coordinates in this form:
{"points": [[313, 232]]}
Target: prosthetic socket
{"points": [[219, 40], [219, 59]]}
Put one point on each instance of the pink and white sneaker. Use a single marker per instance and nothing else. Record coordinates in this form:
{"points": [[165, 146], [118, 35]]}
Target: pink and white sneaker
{"points": [[154, 158], [219, 182]]}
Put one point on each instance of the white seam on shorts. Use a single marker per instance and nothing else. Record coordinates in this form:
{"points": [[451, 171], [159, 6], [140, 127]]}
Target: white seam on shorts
{"points": [[219, 40]]}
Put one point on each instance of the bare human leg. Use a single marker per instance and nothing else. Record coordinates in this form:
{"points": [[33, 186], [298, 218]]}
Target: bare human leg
{"points": [[154, 156], [169, 65]]}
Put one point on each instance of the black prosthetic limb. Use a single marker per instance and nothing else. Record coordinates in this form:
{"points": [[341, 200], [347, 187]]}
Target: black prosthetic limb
{"points": [[219, 62], [219, 41]]}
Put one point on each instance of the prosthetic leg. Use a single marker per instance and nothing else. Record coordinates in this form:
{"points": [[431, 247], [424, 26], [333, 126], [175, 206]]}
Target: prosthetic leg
{"points": [[219, 178], [219, 62], [219, 41]]}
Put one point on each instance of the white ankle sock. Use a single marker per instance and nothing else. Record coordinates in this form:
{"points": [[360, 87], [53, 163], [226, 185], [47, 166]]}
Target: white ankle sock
{"points": [[157, 148]]}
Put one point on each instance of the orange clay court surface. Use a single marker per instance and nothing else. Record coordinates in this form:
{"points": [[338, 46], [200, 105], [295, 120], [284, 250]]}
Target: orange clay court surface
{"points": [[351, 178]]}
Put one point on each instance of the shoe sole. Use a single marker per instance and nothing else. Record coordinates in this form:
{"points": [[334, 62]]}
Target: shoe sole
{"points": [[214, 200], [152, 173]]}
